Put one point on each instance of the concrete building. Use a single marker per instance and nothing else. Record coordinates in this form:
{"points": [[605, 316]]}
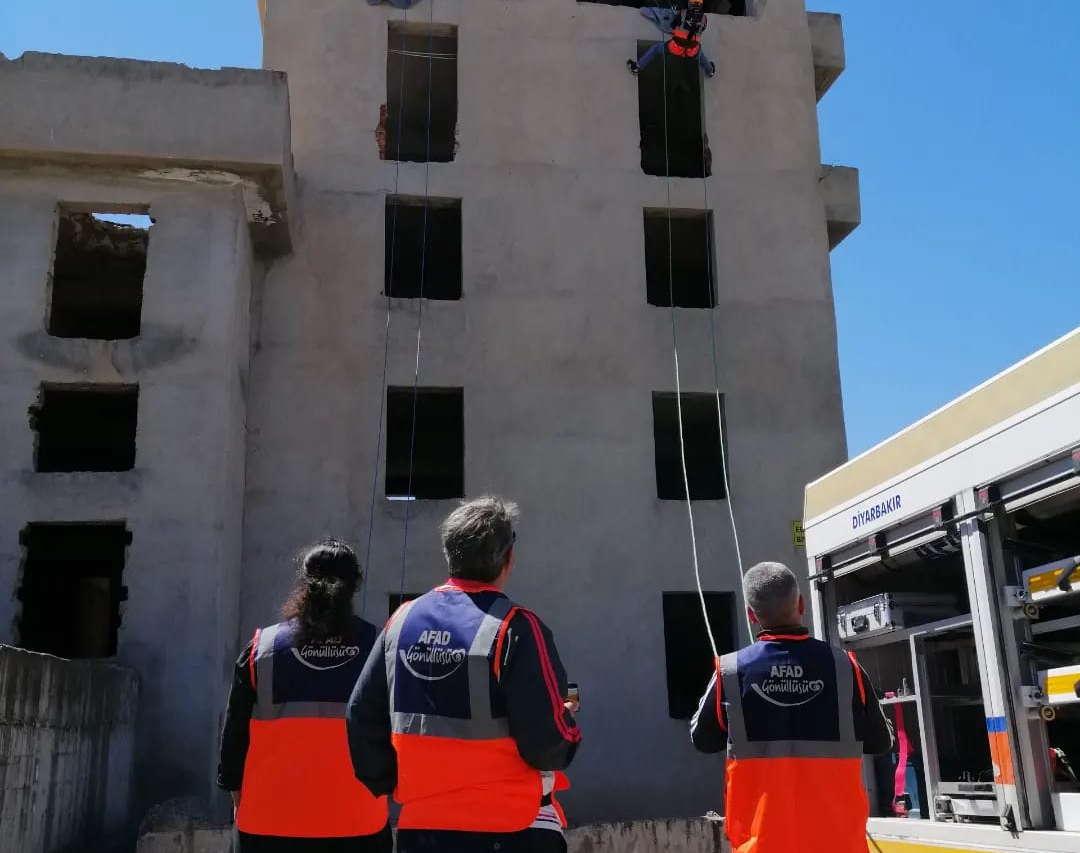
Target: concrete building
{"points": [[261, 393]]}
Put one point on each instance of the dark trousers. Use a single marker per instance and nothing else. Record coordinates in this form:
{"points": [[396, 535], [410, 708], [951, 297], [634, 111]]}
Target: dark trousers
{"points": [[445, 841], [380, 842]]}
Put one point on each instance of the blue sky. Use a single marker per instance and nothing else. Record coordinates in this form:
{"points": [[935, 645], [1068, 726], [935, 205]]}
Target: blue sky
{"points": [[962, 117]]}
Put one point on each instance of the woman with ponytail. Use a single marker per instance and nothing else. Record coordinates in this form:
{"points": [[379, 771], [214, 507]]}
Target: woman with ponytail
{"points": [[284, 755]]}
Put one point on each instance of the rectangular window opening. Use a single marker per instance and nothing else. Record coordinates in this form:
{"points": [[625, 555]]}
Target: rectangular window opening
{"points": [[396, 599], [421, 93], [85, 428], [423, 248], [734, 8], [436, 439], [71, 588], [681, 152], [679, 266], [686, 645], [701, 434], [97, 277]]}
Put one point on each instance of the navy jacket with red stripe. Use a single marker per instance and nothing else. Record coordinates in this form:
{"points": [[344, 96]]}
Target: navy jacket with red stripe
{"points": [[546, 739]]}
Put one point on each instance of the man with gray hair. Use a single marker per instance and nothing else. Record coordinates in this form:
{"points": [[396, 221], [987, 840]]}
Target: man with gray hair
{"points": [[796, 716], [463, 709]]}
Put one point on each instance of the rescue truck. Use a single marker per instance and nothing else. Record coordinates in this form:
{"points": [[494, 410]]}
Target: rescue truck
{"points": [[947, 559]]}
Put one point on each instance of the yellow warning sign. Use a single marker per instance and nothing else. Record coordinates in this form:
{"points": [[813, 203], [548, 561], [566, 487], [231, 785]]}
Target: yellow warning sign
{"points": [[798, 538]]}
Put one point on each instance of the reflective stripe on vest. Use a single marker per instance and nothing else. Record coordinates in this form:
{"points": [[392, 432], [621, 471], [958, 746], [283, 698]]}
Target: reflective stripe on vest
{"points": [[458, 769], [791, 734], [298, 778]]}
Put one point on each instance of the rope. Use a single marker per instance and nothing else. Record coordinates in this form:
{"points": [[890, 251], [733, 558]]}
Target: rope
{"points": [[711, 318], [678, 382], [390, 278], [420, 310]]}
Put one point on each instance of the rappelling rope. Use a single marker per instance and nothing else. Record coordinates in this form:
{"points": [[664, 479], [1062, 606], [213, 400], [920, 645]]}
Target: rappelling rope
{"points": [[389, 281], [678, 383], [420, 309]]}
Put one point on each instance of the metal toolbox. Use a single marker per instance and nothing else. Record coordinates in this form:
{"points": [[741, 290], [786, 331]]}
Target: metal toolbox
{"points": [[891, 611]]}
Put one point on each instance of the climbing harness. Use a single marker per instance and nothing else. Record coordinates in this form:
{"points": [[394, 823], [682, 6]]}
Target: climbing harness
{"points": [[678, 388], [420, 309]]}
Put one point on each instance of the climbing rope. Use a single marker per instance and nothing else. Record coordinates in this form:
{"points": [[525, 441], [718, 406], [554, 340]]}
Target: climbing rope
{"points": [[678, 379], [389, 280], [420, 310]]}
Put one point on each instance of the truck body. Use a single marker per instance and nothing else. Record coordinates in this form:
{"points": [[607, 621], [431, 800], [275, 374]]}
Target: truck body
{"points": [[948, 559]]}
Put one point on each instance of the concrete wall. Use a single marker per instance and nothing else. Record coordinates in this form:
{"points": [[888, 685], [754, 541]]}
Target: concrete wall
{"points": [[67, 738], [699, 835], [183, 500], [553, 341]]}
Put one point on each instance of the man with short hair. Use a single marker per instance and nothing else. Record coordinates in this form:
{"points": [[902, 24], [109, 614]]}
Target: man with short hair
{"points": [[796, 717], [461, 709]]}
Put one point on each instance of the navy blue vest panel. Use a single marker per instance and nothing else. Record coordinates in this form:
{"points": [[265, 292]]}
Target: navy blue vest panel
{"points": [[789, 691], [320, 672]]}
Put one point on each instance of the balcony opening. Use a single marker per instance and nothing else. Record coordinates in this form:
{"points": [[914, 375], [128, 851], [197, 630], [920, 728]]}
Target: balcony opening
{"points": [[396, 599], [97, 278], [686, 645], [701, 434], [422, 248], [421, 93], [71, 588], [686, 154], [425, 443], [85, 428], [679, 265], [735, 8]]}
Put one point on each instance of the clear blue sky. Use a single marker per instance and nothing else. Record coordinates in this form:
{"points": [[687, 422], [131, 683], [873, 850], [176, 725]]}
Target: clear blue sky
{"points": [[962, 117]]}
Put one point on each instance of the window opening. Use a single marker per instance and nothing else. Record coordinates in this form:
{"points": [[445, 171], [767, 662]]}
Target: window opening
{"points": [[427, 55], [687, 156], [423, 259], [85, 428], [686, 645], [701, 434], [438, 458], [734, 8], [71, 588], [679, 271], [97, 279]]}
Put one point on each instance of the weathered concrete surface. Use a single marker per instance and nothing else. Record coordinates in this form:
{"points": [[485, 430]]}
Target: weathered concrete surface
{"points": [[696, 835], [843, 208], [67, 740], [183, 502], [553, 341], [827, 46], [157, 120]]}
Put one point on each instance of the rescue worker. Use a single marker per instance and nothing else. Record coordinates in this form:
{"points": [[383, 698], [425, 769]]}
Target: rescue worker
{"points": [[461, 709], [796, 717], [283, 753], [685, 28]]}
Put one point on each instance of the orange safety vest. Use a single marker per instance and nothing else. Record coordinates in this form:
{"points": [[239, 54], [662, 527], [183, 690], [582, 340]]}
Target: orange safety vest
{"points": [[298, 779], [794, 769], [458, 765]]}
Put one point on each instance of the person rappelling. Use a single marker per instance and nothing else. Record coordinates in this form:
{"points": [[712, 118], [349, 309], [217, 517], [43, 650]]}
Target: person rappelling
{"points": [[685, 28]]}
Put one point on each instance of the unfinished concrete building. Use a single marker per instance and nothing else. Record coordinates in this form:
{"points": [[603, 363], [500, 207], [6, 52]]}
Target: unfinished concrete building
{"points": [[184, 405]]}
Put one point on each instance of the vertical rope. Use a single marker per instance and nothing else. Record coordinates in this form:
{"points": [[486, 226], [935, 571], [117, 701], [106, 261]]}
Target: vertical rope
{"points": [[386, 332], [420, 313]]}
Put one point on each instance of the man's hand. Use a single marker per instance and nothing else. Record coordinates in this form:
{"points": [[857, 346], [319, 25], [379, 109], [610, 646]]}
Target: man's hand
{"points": [[572, 707], [235, 801]]}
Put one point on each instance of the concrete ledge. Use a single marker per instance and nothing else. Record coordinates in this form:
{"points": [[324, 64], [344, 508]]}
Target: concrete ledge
{"points": [[843, 209], [155, 120], [827, 45], [696, 835]]}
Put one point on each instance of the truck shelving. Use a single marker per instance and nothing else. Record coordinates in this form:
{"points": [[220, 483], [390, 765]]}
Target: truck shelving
{"points": [[948, 559]]}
